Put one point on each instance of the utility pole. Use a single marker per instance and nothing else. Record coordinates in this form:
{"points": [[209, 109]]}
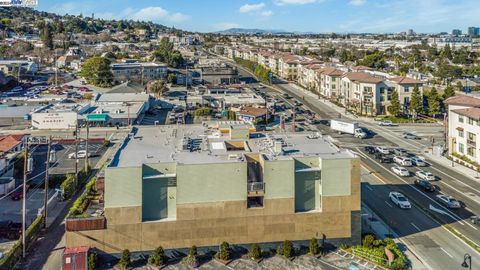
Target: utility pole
{"points": [[86, 149], [76, 154], [24, 192], [47, 163], [56, 68]]}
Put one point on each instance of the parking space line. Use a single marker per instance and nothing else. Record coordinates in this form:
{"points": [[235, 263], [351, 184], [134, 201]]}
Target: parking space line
{"points": [[450, 255], [368, 186], [388, 204], [416, 227]]}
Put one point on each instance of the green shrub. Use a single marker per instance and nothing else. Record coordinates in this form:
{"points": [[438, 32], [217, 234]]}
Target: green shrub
{"points": [[158, 257], [368, 241], [205, 111], [255, 252], [191, 259], [81, 203], [280, 250], [125, 260], [68, 186], [344, 246], [106, 143], [224, 252], [92, 261], [313, 248], [288, 251]]}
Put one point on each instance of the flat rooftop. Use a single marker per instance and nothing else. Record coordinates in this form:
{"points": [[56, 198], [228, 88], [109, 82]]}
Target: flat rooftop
{"points": [[204, 144]]}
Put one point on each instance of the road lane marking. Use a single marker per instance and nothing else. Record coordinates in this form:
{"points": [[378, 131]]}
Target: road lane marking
{"points": [[446, 252], [388, 204], [416, 227], [457, 218]]}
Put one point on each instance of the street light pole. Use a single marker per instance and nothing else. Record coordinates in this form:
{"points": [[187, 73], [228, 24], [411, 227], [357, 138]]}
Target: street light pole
{"points": [[47, 164], [24, 193], [466, 258]]}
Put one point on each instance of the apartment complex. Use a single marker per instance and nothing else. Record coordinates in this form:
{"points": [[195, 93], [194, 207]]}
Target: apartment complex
{"points": [[358, 87], [178, 186], [463, 126], [138, 72]]}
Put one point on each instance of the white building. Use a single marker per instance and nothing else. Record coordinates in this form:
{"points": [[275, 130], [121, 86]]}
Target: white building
{"points": [[463, 126]]}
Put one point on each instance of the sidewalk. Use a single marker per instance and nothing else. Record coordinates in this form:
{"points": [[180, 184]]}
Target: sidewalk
{"points": [[442, 160], [373, 222]]}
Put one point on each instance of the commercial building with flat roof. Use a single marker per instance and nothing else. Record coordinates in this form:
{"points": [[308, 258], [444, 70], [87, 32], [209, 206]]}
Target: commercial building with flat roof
{"points": [[178, 186]]}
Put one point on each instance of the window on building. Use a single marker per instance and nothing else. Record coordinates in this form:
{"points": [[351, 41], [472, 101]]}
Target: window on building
{"points": [[460, 133], [382, 90], [460, 148], [406, 90], [470, 121], [460, 119], [472, 137], [471, 151], [382, 98]]}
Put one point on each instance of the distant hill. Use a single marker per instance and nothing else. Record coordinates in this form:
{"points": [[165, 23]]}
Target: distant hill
{"points": [[254, 31]]}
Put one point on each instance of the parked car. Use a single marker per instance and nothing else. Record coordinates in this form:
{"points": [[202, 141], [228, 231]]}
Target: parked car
{"points": [[400, 171], [475, 219], [425, 185], [383, 158], [400, 152], [382, 150], [404, 161], [370, 149], [424, 175], [398, 199], [80, 154], [387, 123], [18, 193], [448, 201], [416, 161], [411, 136]]}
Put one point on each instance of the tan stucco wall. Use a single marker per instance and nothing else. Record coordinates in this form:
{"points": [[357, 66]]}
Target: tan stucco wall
{"points": [[209, 224]]}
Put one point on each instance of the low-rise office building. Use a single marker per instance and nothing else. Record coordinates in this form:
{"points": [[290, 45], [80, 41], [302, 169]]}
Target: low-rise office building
{"points": [[219, 75], [138, 72], [178, 186]]}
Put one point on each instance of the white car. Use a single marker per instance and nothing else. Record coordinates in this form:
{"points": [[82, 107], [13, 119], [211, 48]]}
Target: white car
{"points": [[400, 200], [448, 201], [424, 175], [80, 154], [404, 161], [382, 150], [416, 161], [400, 171], [386, 123]]}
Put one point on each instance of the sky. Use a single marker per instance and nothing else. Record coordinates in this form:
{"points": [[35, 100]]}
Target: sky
{"points": [[318, 16]]}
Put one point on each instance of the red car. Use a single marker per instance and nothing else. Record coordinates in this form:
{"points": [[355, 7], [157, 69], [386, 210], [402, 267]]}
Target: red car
{"points": [[18, 194]]}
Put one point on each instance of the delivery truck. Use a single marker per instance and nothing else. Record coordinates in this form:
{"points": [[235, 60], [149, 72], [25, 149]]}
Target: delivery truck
{"points": [[353, 128]]}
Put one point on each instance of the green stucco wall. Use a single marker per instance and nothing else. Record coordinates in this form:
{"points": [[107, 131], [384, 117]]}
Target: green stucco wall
{"points": [[307, 185], [336, 174], [278, 177], [123, 187], [155, 199], [202, 183]]}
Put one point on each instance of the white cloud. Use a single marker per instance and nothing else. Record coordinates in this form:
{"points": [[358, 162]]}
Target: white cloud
{"points": [[266, 13], [357, 2], [247, 8], [295, 2], [156, 14]]}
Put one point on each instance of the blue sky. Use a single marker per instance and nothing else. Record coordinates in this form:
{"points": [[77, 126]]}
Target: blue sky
{"points": [[428, 16]]}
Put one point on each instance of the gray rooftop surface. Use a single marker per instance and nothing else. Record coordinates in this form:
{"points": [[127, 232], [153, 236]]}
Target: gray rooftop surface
{"points": [[163, 144]]}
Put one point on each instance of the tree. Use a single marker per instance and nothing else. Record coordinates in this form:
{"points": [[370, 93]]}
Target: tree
{"points": [[446, 52], [416, 103], [92, 261], [459, 86], [158, 257], [368, 241], [313, 248], [96, 71], [157, 87], [449, 92], [288, 249], [433, 102], [125, 260], [394, 108], [192, 259], [172, 78], [224, 252], [255, 252], [47, 36]]}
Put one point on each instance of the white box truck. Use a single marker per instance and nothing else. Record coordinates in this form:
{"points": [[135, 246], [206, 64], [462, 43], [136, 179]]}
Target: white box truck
{"points": [[348, 128]]}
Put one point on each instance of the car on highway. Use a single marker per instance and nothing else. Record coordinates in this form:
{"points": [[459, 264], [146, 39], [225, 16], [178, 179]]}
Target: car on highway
{"points": [[448, 201], [411, 136], [425, 185], [369, 149], [382, 150], [404, 161], [424, 175], [80, 154], [416, 161], [387, 123], [400, 171], [18, 193], [383, 158], [399, 199], [400, 152]]}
